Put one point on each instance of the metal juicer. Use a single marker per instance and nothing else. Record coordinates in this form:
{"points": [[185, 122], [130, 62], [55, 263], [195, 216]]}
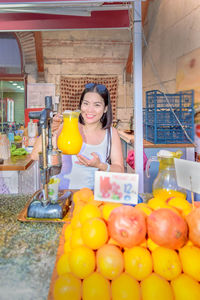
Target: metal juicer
{"points": [[50, 163]]}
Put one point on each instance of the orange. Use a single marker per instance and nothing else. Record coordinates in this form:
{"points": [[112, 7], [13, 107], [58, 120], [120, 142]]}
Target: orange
{"points": [[67, 247], [166, 263], [68, 232], [85, 193], [94, 233], [125, 287], [190, 259], [151, 245], [145, 208], [113, 242], [155, 287], [96, 287], [189, 243], [138, 262], [110, 261], [62, 265], [185, 288], [82, 261], [75, 222], [67, 286], [78, 207], [76, 238], [180, 204], [107, 209], [89, 211], [76, 197], [93, 201], [143, 244], [155, 203]]}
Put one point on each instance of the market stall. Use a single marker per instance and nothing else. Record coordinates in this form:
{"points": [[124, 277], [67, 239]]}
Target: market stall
{"points": [[106, 249], [116, 15]]}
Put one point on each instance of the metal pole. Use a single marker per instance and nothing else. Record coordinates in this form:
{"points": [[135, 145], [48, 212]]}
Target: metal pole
{"points": [[138, 115]]}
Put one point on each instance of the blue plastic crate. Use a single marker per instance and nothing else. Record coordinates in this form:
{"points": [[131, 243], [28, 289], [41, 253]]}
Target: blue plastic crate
{"points": [[160, 124], [157, 99]]}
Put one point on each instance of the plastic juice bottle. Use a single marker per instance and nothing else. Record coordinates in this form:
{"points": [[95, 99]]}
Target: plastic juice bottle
{"points": [[70, 140]]}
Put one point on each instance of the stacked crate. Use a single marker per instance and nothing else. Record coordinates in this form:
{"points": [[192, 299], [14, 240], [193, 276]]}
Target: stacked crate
{"points": [[160, 123]]}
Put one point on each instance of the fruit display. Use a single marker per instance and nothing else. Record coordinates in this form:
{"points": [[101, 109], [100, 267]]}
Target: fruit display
{"points": [[120, 252]]}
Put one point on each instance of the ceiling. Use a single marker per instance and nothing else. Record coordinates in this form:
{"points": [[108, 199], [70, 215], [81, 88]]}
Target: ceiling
{"points": [[12, 86], [38, 15], [54, 15]]}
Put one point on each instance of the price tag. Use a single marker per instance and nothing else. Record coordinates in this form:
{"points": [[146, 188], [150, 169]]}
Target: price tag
{"points": [[116, 187], [188, 174]]}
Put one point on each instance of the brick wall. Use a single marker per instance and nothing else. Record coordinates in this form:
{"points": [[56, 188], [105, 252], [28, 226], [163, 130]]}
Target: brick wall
{"points": [[89, 52]]}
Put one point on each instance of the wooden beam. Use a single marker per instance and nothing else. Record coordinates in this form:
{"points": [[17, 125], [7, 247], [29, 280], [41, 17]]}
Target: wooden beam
{"points": [[129, 64], [39, 53]]}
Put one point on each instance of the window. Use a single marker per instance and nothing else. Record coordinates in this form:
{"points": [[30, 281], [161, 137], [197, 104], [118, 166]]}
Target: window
{"points": [[12, 95]]}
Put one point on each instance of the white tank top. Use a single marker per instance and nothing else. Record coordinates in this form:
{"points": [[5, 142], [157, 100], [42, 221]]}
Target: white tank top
{"points": [[74, 176]]}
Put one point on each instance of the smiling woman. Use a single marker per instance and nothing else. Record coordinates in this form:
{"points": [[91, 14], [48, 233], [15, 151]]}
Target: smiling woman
{"points": [[101, 149]]}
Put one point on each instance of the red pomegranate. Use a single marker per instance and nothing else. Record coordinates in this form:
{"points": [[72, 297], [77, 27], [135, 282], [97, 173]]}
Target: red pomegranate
{"points": [[127, 226], [166, 228], [193, 220]]}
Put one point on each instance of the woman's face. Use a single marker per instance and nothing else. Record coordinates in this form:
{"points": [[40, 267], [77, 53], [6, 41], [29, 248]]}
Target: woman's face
{"points": [[92, 108]]}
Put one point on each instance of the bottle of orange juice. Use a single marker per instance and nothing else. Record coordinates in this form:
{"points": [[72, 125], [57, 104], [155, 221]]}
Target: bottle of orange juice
{"points": [[70, 140]]}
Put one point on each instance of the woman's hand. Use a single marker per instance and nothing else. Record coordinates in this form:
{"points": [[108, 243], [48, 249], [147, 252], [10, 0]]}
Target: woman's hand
{"points": [[94, 162], [57, 120]]}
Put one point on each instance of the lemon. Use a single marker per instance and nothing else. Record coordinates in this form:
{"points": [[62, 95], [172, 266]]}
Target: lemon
{"points": [[185, 288], [62, 265], [154, 287], [76, 238], [166, 263], [125, 287], [107, 209], [138, 262], [82, 261], [89, 211], [94, 233], [190, 259], [67, 286], [96, 287]]}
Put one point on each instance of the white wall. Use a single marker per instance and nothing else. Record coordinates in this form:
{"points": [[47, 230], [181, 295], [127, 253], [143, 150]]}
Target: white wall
{"points": [[172, 30]]}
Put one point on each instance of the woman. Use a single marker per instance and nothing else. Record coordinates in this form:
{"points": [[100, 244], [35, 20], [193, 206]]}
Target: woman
{"points": [[101, 149]]}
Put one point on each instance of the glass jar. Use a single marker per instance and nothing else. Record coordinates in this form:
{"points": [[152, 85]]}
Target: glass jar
{"points": [[165, 184]]}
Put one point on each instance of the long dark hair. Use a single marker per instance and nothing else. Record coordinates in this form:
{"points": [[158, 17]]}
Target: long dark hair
{"points": [[106, 119]]}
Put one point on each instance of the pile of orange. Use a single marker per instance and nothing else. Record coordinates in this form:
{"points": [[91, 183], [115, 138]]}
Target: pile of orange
{"points": [[96, 267]]}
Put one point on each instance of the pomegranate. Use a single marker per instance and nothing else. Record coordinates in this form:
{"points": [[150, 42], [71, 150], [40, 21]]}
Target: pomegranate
{"points": [[167, 229], [193, 220], [127, 226]]}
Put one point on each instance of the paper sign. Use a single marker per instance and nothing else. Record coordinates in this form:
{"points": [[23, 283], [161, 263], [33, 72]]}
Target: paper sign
{"points": [[188, 174], [116, 187]]}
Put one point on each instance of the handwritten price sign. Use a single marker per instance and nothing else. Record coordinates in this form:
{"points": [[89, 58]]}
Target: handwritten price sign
{"points": [[116, 187]]}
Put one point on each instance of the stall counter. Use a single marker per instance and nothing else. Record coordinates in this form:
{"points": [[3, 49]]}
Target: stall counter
{"points": [[27, 251], [19, 175]]}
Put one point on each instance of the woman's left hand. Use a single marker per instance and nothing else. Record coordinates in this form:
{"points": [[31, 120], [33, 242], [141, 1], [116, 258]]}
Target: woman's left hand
{"points": [[94, 162]]}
